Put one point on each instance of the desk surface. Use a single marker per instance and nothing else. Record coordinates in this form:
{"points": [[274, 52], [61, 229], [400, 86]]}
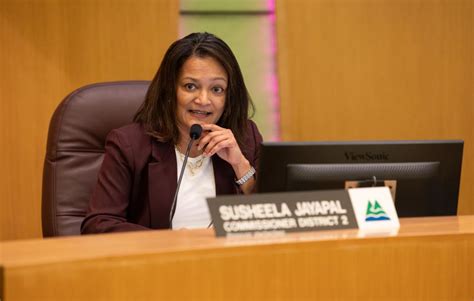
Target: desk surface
{"points": [[427, 258], [42, 251]]}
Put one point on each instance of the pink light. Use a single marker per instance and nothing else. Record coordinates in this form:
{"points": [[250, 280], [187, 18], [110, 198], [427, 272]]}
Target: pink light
{"points": [[273, 79], [271, 6]]}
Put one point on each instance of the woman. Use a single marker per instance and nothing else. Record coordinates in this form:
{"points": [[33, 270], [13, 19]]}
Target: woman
{"points": [[199, 82]]}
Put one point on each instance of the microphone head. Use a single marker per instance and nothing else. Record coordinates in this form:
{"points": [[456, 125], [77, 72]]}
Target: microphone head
{"points": [[195, 131]]}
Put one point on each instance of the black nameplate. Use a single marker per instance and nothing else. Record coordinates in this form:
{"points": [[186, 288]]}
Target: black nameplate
{"points": [[282, 212]]}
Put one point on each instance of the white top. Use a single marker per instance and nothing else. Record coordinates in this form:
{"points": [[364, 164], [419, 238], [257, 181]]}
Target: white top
{"points": [[198, 183]]}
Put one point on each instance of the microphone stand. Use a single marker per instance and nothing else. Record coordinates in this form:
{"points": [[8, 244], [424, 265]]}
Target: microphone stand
{"points": [[195, 133]]}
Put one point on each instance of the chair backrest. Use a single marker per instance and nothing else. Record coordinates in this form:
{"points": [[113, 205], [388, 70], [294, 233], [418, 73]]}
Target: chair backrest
{"points": [[75, 149]]}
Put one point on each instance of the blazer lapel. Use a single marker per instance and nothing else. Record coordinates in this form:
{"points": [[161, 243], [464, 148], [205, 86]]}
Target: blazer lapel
{"points": [[224, 175], [162, 182]]}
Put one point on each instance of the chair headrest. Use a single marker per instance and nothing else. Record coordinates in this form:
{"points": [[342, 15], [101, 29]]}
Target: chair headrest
{"points": [[85, 117]]}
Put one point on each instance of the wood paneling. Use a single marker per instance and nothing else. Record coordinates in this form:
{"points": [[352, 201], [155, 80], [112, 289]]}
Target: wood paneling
{"points": [[47, 49], [429, 259], [388, 69]]}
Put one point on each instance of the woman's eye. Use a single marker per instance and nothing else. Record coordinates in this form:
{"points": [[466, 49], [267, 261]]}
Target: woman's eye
{"points": [[217, 90], [190, 87]]}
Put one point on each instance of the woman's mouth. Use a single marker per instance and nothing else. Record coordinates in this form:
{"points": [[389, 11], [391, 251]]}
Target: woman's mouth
{"points": [[199, 113]]}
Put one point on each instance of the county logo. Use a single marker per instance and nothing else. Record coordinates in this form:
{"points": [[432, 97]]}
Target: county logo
{"points": [[375, 212]]}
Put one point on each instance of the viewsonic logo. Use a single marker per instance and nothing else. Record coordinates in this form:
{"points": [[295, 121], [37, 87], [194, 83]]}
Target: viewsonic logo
{"points": [[367, 156]]}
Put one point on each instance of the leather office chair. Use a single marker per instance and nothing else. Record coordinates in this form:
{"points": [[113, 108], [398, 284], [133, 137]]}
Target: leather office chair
{"points": [[75, 149]]}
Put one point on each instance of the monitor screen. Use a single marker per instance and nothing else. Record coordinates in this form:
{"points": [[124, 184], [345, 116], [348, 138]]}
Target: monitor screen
{"points": [[423, 175]]}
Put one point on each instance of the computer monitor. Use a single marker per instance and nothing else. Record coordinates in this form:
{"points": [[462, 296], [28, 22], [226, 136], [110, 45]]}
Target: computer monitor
{"points": [[424, 175]]}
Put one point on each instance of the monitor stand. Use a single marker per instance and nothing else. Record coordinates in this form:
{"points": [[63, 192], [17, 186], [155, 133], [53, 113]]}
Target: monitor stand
{"points": [[374, 182]]}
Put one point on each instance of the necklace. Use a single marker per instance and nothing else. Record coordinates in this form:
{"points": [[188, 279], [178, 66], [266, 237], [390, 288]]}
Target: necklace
{"points": [[193, 167]]}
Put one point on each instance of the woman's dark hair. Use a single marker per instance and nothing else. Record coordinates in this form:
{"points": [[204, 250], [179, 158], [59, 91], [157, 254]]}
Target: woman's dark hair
{"points": [[158, 112]]}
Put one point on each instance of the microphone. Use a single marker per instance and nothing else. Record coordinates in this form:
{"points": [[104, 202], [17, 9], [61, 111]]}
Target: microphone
{"points": [[195, 132]]}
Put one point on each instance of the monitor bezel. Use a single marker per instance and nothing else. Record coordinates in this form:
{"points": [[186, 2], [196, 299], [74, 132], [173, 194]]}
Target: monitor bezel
{"points": [[275, 156]]}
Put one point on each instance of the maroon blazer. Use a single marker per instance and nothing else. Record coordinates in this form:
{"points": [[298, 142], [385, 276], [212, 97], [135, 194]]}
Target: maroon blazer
{"points": [[138, 178]]}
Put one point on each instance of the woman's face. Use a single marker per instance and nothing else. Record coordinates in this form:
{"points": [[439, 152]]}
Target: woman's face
{"points": [[201, 93]]}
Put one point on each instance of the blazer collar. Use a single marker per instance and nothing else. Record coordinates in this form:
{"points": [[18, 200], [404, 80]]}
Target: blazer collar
{"points": [[162, 151]]}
